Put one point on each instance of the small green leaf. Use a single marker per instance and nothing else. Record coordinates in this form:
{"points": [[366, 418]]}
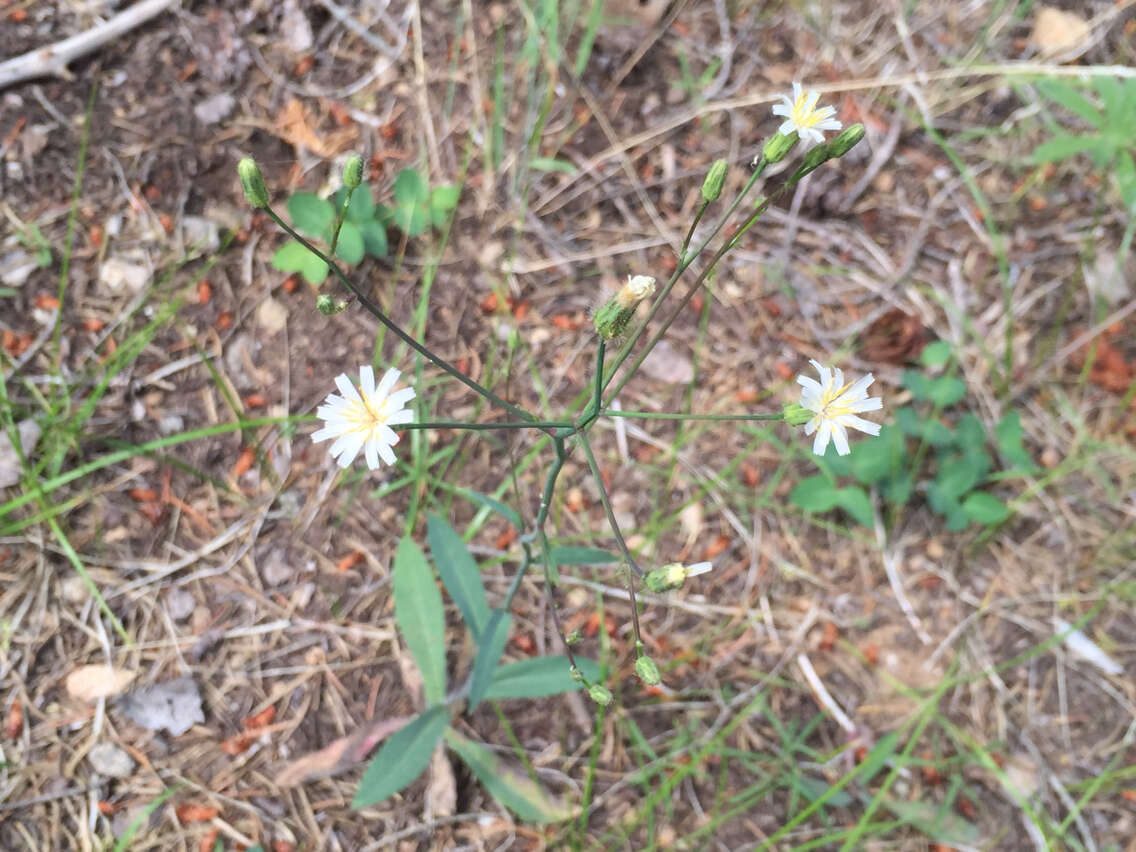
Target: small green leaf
{"points": [[970, 434], [311, 214], [917, 383], [540, 677], [1068, 97], [872, 461], [418, 611], [1125, 175], [550, 164], [935, 354], [938, 822], [1009, 435], [985, 508], [409, 187], [959, 473], [506, 512], [899, 488], [374, 235], [517, 792], [489, 648], [350, 245], [855, 502], [402, 758], [569, 555], [947, 390], [443, 199], [293, 257], [815, 494], [362, 206], [459, 572], [1061, 147]]}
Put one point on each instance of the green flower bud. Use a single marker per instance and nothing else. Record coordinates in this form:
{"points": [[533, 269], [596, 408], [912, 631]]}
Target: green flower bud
{"points": [[252, 181], [715, 180], [576, 674], [779, 146], [328, 306], [612, 319], [574, 637], [600, 694], [814, 159], [647, 670], [796, 414], [665, 579], [353, 171], [844, 143]]}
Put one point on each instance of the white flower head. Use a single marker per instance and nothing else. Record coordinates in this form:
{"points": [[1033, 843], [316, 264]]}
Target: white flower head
{"points": [[801, 114], [361, 418], [637, 288], [836, 405]]}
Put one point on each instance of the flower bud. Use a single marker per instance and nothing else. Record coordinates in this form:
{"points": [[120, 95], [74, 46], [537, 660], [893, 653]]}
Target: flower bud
{"points": [[353, 171], [844, 143], [576, 674], [796, 414], [715, 180], [779, 146], [328, 306], [573, 638], [252, 182], [672, 575], [600, 694], [612, 318], [814, 159], [647, 670]]}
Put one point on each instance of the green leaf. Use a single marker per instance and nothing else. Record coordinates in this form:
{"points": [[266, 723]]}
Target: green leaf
{"points": [[412, 202], [507, 512], [855, 502], [489, 648], [1125, 175], [970, 434], [362, 206], [959, 473], [443, 199], [899, 488], [418, 611], [515, 791], [311, 214], [947, 390], [985, 508], [935, 354], [293, 257], [551, 164], [540, 677], [374, 235], [569, 555], [1064, 94], [932, 431], [872, 461], [1008, 434], [815, 494], [938, 822], [350, 245], [402, 758], [1061, 147], [459, 572], [917, 383]]}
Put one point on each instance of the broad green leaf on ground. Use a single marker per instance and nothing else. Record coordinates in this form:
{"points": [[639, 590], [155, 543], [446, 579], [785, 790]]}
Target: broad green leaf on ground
{"points": [[935, 354], [855, 502], [1067, 96], [421, 620], [985, 508], [362, 206], [459, 572], [1060, 147], [402, 757], [938, 822], [350, 245], [540, 677], [570, 555], [815, 494], [872, 461], [490, 645], [515, 791], [412, 202], [293, 257], [443, 199], [311, 214], [374, 235], [959, 473]]}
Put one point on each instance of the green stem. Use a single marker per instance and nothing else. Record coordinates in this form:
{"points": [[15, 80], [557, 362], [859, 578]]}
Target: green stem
{"points": [[690, 233], [654, 415], [583, 438], [339, 217], [480, 427], [381, 316]]}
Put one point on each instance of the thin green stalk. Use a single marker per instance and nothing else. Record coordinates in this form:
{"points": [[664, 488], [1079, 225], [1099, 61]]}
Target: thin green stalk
{"points": [[598, 477], [655, 415], [381, 316], [339, 217], [690, 233], [480, 427]]}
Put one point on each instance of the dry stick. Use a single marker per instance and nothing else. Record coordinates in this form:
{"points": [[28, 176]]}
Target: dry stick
{"points": [[54, 59]]}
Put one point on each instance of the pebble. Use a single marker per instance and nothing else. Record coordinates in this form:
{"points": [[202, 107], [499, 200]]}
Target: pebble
{"points": [[110, 760]]}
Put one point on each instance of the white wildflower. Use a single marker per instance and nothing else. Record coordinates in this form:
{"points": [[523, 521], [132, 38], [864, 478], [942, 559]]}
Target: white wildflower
{"points": [[361, 419], [836, 405], [801, 114]]}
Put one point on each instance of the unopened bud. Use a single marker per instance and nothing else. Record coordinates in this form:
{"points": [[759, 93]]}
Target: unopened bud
{"points": [[844, 143], [574, 637], [715, 180], [328, 306], [353, 171], [779, 146], [613, 317], [796, 414], [647, 670], [252, 181], [665, 579], [814, 159], [576, 674], [600, 694]]}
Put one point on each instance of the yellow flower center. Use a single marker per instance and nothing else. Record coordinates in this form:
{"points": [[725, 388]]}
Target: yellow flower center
{"points": [[802, 115]]}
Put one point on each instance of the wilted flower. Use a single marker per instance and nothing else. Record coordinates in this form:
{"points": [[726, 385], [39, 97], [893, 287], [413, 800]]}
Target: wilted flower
{"points": [[361, 419], [801, 115], [612, 317], [835, 406], [673, 575]]}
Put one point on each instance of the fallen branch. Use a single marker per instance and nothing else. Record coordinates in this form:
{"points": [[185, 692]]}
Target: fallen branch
{"points": [[54, 59]]}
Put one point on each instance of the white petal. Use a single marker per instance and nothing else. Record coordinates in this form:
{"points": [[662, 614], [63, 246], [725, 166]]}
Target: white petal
{"points": [[387, 435], [787, 127], [854, 422], [797, 90], [858, 389], [371, 453], [828, 124], [785, 108], [825, 376], [403, 415], [347, 389], [367, 379], [386, 384], [811, 426], [325, 434], [820, 444], [810, 385], [811, 100], [698, 568], [400, 398], [837, 378], [840, 438], [387, 454], [861, 405], [346, 448], [810, 134]]}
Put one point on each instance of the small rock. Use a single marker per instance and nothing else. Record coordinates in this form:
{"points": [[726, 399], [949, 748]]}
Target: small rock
{"points": [[74, 590], [666, 364], [271, 315], [215, 108], [1058, 31], [276, 568], [10, 469], [124, 273], [109, 760], [200, 234], [179, 604], [173, 704], [296, 28], [171, 424], [16, 267]]}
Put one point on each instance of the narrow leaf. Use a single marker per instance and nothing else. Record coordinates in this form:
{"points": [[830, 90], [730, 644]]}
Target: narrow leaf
{"points": [[540, 677], [459, 572], [517, 792], [489, 649], [985, 508], [581, 556], [418, 611], [507, 512], [402, 758]]}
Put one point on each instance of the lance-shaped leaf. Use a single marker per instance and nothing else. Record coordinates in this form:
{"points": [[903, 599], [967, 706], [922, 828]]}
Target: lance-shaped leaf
{"points": [[489, 648], [402, 758], [459, 572], [540, 677], [418, 611]]}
